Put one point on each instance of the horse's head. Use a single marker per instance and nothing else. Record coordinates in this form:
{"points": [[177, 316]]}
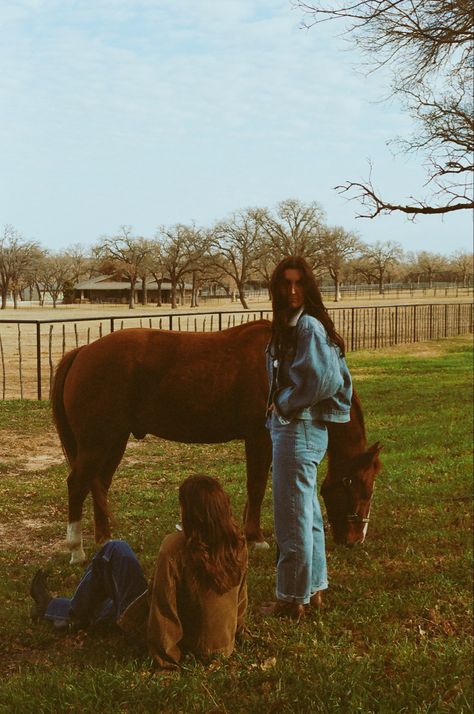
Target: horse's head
{"points": [[347, 491]]}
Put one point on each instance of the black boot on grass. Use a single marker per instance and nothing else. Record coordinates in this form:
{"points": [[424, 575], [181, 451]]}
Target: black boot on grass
{"points": [[40, 594]]}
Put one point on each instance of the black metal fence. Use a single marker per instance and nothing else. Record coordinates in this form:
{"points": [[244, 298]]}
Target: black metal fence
{"points": [[29, 349]]}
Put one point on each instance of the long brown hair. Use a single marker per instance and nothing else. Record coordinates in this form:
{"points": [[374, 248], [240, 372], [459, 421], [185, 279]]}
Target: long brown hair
{"points": [[313, 304], [215, 546]]}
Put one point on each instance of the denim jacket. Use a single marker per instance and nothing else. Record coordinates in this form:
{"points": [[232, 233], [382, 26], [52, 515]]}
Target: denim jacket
{"points": [[312, 381]]}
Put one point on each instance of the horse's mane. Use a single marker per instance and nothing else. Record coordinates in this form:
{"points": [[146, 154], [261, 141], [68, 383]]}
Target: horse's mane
{"points": [[357, 406], [347, 438], [250, 324]]}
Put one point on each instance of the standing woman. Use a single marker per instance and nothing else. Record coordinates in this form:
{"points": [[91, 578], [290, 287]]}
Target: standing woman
{"points": [[310, 385]]}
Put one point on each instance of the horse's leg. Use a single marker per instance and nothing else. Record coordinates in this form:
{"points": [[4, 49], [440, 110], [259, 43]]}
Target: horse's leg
{"points": [[99, 490], [93, 471], [258, 452], [77, 492]]}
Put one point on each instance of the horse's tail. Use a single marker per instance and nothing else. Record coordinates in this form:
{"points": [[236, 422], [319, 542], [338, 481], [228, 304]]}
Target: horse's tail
{"points": [[66, 436]]}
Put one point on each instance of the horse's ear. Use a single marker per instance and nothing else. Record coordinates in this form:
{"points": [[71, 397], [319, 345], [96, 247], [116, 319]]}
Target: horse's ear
{"points": [[369, 457], [375, 449]]}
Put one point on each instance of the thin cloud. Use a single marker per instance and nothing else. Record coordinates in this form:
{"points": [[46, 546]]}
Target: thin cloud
{"points": [[177, 108]]}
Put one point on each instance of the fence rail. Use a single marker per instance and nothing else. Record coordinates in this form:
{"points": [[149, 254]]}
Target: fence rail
{"points": [[29, 349]]}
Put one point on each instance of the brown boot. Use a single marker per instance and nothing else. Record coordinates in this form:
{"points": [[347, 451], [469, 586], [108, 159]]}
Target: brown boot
{"points": [[316, 600], [280, 608]]}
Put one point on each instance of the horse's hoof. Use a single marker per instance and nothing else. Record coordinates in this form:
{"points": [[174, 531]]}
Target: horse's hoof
{"points": [[77, 556], [259, 545]]}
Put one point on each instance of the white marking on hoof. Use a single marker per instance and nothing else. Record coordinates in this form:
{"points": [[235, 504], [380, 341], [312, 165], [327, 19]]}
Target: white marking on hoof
{"points": [[77, 556], [74, 542], [259, 545], [74, 535]]}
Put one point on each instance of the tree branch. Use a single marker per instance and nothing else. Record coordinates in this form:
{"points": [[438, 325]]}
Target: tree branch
{"points": [[377, 206]]}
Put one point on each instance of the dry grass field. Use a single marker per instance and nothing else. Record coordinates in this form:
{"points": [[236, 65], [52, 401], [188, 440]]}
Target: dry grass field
{"points": [[67, 327]]}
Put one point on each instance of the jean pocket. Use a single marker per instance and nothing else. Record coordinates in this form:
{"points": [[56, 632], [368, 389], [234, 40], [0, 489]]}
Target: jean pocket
{"points": [[316, 435]]}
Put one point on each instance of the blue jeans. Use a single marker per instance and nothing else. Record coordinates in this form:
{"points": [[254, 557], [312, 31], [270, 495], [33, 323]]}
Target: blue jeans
{"points": [[110, 583], [298, 448]]}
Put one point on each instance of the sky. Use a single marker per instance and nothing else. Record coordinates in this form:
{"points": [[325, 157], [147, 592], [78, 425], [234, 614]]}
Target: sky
{"points": [[153, 112]]}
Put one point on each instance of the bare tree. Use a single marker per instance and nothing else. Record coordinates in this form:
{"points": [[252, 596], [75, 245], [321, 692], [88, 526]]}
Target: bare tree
{"points": [[236, 247], [205, 270], [295, 228], [23, 270], [155, 267], [411, 271], [462, 264], [16, 258], [377, 259], [265, 266], [338, 246], [82, 263], [55, 271], [431, 264], [181, 247], [128, 253], [429, 47]]}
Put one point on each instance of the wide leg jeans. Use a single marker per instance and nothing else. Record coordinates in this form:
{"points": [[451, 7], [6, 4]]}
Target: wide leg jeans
{"points": [[110, 583], [298, 448]]}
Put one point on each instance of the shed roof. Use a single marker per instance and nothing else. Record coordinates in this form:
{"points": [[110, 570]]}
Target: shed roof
{"points": [[104, 282]]}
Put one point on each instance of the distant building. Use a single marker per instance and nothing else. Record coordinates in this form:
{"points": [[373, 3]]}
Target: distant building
{"points": [[104, 289]]}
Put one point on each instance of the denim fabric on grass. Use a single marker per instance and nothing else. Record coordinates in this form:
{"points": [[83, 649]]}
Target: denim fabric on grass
{"points": [[298, 447], [110, 583]]}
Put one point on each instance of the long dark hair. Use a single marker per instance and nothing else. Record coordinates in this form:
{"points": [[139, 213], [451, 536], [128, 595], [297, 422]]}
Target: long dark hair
{"points": [[215, 547], [313, 305]]}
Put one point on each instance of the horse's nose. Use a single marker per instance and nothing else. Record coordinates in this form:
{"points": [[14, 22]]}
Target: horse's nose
{"points": [[356, 542]]}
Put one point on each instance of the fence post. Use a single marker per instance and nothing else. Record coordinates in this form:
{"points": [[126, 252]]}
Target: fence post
{"points": [[376, 322], [112, 326], [220, 321], [446, 320], [431, 321], [396, 324], [171, 322], [352, 328], [38, 357], [414, 323]]}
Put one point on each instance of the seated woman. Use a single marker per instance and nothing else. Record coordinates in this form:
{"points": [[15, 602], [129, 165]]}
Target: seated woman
{"points": [[197, 597]]}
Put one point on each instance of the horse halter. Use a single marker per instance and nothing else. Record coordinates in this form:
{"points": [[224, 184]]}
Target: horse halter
{"points": [[353, 517], [346, 484]]}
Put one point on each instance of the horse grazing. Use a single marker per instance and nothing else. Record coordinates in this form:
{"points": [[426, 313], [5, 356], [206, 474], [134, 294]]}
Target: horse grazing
{"points": [[188, 387]]}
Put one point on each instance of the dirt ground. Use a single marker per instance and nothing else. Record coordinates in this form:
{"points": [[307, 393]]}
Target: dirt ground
{"points": [[27, 456]]}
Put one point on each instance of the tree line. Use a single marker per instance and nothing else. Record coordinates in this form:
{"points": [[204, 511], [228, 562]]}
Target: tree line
{"points": [[235, 252]]}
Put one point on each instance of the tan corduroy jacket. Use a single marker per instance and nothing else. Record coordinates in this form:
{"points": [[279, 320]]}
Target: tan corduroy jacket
{"points": [[174, 617]]}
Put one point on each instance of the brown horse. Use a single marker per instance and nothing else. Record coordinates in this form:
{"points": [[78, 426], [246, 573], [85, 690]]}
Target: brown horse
{"points": [[189, 387]]}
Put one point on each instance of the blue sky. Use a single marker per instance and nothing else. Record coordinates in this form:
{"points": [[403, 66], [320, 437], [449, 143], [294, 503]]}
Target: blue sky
{"points": [[150, 112]]}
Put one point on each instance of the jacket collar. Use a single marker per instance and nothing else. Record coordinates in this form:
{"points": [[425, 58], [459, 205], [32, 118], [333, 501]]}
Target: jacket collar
{"points": [[296, 317]]}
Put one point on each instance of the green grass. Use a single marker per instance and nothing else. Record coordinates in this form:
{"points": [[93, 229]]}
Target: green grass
{"points": [[395, 635]]}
